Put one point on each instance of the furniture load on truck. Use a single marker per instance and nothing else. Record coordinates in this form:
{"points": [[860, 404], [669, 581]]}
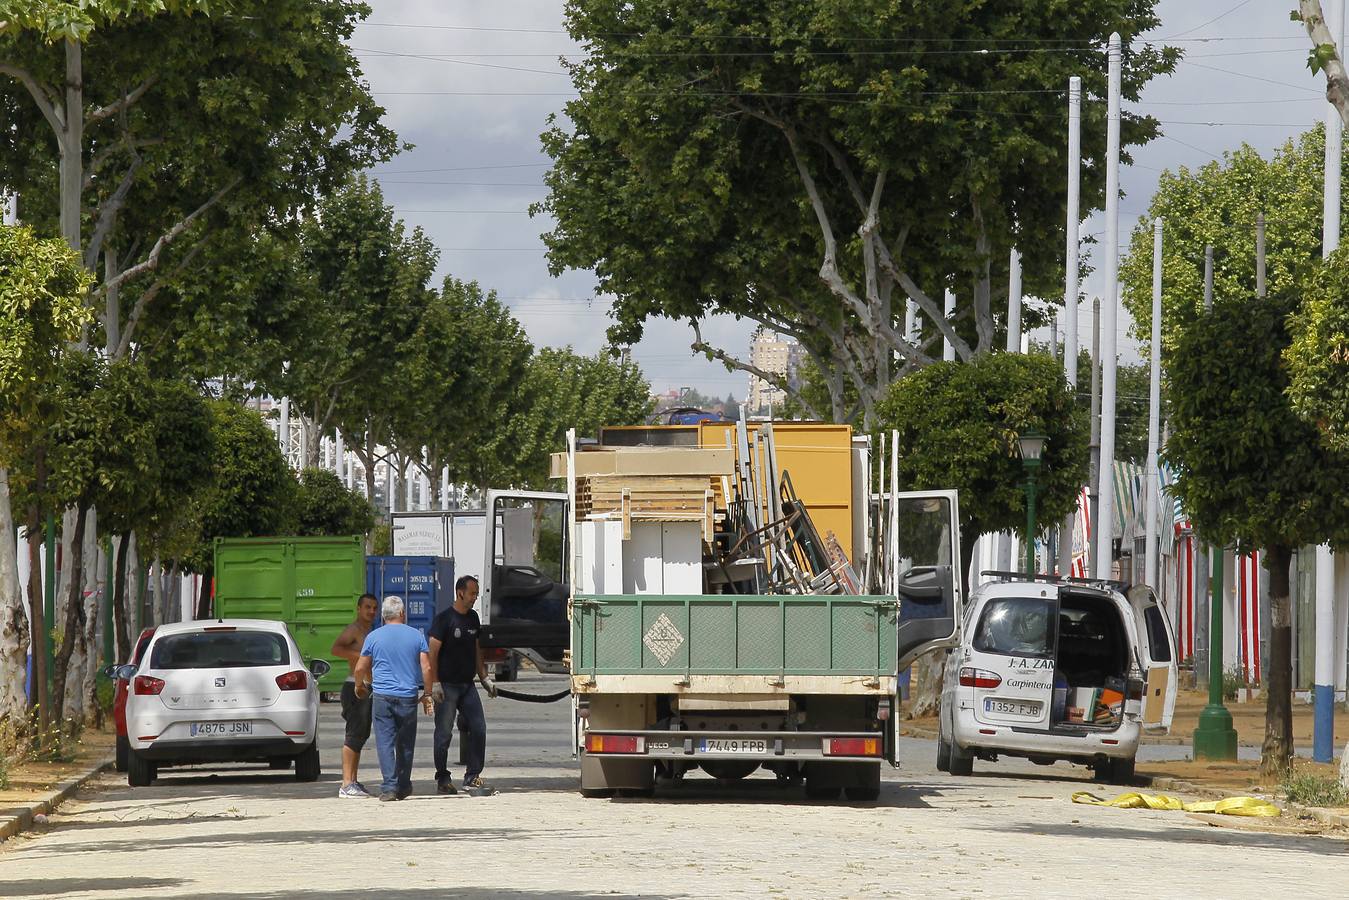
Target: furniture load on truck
{"points": [[310, 584], [714, 626]]}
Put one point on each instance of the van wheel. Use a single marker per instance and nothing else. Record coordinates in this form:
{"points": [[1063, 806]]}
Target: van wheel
{"points": [[307, 764], [960, 762], [1121, 771], [140, 772], [943, 754], [123, 751]]}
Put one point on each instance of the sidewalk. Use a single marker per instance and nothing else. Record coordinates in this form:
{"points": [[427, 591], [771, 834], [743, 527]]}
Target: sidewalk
{"points": [[38, 788]]}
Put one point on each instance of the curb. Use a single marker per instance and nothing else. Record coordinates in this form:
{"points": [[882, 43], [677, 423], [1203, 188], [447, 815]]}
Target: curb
{"points": [[17, 819]]}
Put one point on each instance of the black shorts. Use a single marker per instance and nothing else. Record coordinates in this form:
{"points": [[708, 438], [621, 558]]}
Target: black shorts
{"points": [[356, 713]]}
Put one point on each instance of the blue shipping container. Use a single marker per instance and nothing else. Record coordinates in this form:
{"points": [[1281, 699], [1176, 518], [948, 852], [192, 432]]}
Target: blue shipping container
{"points": [[426, 584]]}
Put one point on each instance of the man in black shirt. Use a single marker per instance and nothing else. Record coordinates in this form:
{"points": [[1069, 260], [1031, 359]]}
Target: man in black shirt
{"points": [[455, 659]]}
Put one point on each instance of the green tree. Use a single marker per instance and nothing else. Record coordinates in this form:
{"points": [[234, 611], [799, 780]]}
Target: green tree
{"points": [[1217, 204], [366, 278], [1249, 471], [325, 508], [150, 486], [493, 362], [563, 390], [189, 132], [252, 493], [957, 428], [1318, 355], [41, 309], [806, 166]]}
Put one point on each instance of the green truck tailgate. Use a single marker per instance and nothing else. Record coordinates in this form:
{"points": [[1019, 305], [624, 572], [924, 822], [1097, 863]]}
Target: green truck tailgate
{"points": [[311, 584], [734, 635]]}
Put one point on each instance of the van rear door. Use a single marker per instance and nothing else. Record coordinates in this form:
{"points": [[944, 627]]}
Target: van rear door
{"points": [[1009, 667], [524, 590], [1157, 653]]}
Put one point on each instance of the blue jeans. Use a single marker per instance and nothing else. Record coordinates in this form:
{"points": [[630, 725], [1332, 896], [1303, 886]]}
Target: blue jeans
{"points": [[395, 726], [464, 700]]}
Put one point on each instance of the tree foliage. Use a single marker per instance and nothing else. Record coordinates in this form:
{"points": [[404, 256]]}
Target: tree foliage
{"points": [[252, 493], [806, 166], [325, 508], [1249, 471], [1318, 355], [957, 428], [562, 390], [1217, 204]]}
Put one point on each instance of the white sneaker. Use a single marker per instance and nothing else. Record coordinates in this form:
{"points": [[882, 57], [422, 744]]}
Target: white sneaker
{"points": [[353, 791]]}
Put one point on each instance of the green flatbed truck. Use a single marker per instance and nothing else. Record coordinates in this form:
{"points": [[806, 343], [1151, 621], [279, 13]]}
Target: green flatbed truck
{"points": [[804, 685], [311, 584]]}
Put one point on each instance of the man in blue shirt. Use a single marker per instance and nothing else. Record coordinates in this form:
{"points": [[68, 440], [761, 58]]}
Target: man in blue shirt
{"points": [[396, 664]]}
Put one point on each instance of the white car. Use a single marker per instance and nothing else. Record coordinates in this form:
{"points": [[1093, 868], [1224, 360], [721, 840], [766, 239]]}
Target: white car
{"points": [[1050, 669], [230, 690]]}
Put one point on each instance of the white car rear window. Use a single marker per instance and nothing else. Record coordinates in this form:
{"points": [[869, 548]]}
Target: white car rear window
{"points": [[220, 650], [1017, 626]]}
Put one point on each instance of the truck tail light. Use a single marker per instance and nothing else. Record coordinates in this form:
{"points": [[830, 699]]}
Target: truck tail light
{"points": [[615, 743], [853, 746], [148, 684], [979, 678], [495, 655], [293, 681]]}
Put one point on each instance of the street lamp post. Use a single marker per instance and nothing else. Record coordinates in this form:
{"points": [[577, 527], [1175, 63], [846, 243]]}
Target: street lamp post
{"points": [[1032, 446]]}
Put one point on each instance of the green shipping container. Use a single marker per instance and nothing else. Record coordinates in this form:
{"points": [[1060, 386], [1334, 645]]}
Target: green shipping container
{"points": [[311, 584]]}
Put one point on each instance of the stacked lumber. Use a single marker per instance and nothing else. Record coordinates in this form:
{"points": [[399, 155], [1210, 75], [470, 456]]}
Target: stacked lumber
{"points": [[669, 484]]}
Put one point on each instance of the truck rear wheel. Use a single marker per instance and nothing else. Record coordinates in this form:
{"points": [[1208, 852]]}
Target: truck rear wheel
{"points": [[865, 783]]}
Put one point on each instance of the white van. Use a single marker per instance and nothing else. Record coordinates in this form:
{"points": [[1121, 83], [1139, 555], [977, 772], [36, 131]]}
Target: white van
{"points": [[1056, 669]]}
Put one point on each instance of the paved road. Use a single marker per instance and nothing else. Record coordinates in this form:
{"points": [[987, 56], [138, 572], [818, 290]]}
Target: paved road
{"points": [[1010, 831]]}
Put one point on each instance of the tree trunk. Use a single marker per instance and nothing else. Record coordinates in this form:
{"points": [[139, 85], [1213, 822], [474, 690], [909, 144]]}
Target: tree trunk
{"points": [[88, 697], [38, 621], [72, 624], [204, 596], [13, 621], [120, 618], [925, 678], [72, 148], [1276, 754]]}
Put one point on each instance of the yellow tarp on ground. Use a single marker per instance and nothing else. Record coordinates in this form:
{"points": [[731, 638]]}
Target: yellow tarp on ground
{"points": [[1228, 806]]}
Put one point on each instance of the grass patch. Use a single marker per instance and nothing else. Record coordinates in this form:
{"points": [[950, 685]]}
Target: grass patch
{"points": [[1311, 789]]}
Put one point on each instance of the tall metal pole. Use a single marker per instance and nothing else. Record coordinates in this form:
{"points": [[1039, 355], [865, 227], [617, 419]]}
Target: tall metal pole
{"points": [[948, 352], [1214, 736], [1014, 302], [1260, 290], [1154, 413], [1105, 519], [1323, 728], [1094, 479]]}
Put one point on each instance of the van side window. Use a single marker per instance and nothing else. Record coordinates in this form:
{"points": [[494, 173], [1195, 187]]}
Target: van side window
{"points": [[1158, 643], [1017, 626]]}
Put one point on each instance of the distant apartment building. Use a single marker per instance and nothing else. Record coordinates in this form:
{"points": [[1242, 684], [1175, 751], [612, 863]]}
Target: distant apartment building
{"points": [[771, 352]]}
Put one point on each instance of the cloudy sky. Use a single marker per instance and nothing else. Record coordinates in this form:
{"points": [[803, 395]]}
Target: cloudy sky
{"points": [[472, 86]]}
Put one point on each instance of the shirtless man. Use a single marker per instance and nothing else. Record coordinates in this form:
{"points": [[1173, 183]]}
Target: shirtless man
{"points": [[355, 709]]}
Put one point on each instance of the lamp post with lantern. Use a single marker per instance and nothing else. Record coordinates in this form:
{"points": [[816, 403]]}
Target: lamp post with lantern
{"points": [[1031, 443]]}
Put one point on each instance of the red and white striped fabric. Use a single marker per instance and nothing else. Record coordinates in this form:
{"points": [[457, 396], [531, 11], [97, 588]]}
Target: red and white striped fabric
{"points": [[1081, 534], [1248, 616], [1185, 582]]}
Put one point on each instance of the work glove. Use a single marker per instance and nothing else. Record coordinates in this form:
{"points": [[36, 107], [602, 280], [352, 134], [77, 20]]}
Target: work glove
{"points": [[438, 692], [490, 686]]}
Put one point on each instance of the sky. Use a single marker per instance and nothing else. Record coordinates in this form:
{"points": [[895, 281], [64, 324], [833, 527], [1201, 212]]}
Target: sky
{"points": [[472, 86]]}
